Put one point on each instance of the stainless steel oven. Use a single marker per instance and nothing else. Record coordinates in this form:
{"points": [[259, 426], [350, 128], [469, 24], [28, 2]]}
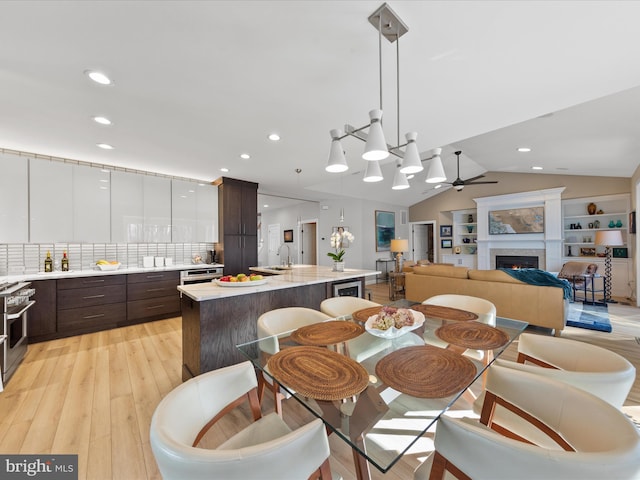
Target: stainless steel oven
{"points": [[200, 275], [16, 302]]}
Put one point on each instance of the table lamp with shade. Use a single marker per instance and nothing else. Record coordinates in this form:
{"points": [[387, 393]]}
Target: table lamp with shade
{"points": [[608, 239], [398, 246]]}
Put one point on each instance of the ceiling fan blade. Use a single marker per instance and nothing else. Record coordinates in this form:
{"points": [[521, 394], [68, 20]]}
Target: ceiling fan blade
{"points": [[479, 183], [473, 178]]}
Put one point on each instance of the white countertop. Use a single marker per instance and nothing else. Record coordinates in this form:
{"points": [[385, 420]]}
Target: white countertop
{"points": [[91, 273], [298, 275]]}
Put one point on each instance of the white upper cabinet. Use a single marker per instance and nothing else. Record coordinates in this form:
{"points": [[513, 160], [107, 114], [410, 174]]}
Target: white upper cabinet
{"points": [[91, 205], [127, 212], [207, 200], [194, 212], [184, 211], [157, 209], [51, 201], [14, 199]]}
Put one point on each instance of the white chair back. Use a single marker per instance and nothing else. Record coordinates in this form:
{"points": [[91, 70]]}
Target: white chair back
{"points": [[266, 449], [485, 310], [342, 306], [595, 369]]}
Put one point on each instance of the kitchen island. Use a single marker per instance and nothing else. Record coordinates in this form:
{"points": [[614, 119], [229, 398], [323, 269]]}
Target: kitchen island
{"points": [[217, 318]]}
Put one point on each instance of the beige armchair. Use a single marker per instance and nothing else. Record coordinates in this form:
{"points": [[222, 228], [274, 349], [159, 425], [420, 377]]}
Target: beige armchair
{"points": [[576, 274]]}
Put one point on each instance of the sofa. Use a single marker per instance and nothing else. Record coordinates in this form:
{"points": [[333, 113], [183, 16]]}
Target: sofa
{"points": [[542, 306]]}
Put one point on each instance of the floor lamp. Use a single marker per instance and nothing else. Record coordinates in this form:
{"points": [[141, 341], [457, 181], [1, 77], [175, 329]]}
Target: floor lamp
{"points": [[608, 239], [399, 245]]}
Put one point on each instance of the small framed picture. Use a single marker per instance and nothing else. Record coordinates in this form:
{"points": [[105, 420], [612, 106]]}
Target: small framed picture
{"points": [[587, 252], [446, 231], [446, 242], [620, 252], [288, 236]]}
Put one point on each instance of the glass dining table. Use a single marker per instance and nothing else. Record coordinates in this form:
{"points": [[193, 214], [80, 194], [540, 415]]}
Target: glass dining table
{"points": [[381, 393]]}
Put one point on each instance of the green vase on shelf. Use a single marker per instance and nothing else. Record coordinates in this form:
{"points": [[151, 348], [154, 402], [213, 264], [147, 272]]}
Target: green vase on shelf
{"points": [[619, 224], [612, 224]]}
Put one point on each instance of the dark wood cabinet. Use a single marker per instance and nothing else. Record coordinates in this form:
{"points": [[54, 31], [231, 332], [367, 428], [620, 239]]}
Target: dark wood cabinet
{"points": [[152, 296], [238, 224], [90, 304], [42, 324]]}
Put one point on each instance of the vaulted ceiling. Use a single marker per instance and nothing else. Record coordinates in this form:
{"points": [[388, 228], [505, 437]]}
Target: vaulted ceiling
{"points": [[198, 83]]}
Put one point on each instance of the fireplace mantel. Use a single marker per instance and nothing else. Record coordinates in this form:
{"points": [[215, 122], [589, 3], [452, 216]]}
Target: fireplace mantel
{"points": [[550, 242]]}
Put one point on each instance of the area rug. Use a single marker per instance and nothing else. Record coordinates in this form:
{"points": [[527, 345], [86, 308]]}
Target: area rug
{"points": [[593, 317]]}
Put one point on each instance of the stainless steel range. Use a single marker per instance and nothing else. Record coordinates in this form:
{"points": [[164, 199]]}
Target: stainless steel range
{"points": [[15, 301]]}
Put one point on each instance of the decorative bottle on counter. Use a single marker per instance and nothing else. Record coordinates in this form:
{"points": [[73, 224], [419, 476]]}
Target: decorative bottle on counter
{"points": [[64, 264], [48, 263]]}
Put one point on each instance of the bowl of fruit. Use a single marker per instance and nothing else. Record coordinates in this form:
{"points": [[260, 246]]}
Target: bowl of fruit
{"points": [[106, 265], [241, 280]]}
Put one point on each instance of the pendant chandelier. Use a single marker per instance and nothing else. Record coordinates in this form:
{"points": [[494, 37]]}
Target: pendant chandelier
{"points": [[409, 160]]}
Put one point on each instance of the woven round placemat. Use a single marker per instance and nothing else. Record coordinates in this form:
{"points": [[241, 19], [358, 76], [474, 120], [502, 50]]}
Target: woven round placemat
{"points": [[478, 336], [445, 313], [426, 371], [327, 333], [364, 314], [318, 373]]}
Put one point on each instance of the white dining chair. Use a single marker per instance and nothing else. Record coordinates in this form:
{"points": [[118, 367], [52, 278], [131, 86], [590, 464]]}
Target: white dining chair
{"points": [[580, 436], [281, 322], [267, 448], [485, 310], [595, 369], [365, 345]]}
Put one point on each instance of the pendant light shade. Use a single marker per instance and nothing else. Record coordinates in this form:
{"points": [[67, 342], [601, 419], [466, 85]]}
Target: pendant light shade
{"points": [[411, 162], [376, 146], [337, 162], [436, 171], [373, 172], [400, 180]]}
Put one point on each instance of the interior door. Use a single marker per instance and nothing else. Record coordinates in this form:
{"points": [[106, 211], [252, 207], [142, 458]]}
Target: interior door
{"points": [[422, 241], [308, 242]]}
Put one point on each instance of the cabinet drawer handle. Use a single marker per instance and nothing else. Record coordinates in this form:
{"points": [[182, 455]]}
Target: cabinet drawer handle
{"points": [[155, 276], [155, 306], [154, 289], [93, 316], [93, 281], [93, 296]]}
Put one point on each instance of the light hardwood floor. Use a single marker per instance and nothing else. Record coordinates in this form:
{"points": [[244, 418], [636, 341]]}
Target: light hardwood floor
{"points": [[94, 395]]}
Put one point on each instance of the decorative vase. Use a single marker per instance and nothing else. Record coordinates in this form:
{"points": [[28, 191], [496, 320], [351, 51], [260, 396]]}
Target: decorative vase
{"points": [[338, 266], [470, 228], [612, 224], [596, 224], [591, 208], [470, 218], [619, 224]]}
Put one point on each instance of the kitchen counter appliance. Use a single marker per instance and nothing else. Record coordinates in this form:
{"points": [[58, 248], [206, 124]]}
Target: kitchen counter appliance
{"points": [[15, 302], [200, 275]]}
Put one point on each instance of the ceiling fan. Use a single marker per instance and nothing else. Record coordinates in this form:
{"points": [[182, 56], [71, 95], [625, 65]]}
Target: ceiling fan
{"points": [[459, 184]]}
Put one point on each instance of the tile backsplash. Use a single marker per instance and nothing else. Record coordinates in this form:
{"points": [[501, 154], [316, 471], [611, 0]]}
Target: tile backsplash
{"points": [[18, 258]]}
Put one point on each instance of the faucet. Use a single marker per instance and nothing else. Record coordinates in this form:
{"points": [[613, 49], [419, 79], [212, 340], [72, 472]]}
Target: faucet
{"points": [[288, 254]]}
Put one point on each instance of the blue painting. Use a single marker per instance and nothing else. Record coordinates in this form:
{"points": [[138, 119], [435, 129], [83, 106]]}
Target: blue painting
{"points": [[385, 230]]}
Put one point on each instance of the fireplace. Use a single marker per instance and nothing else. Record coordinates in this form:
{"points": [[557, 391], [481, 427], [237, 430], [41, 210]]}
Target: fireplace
{"points": [[516, 261]]}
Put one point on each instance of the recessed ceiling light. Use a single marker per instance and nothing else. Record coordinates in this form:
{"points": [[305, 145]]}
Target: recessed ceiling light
{"points": [[274, 137], [104, 170], [409, 177], [105, 146], [524, 149], [245, 156], [437, 186], [98, 77], [266, 205], [104, 180], [536, 168], [223, 169], [102, 120]]}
